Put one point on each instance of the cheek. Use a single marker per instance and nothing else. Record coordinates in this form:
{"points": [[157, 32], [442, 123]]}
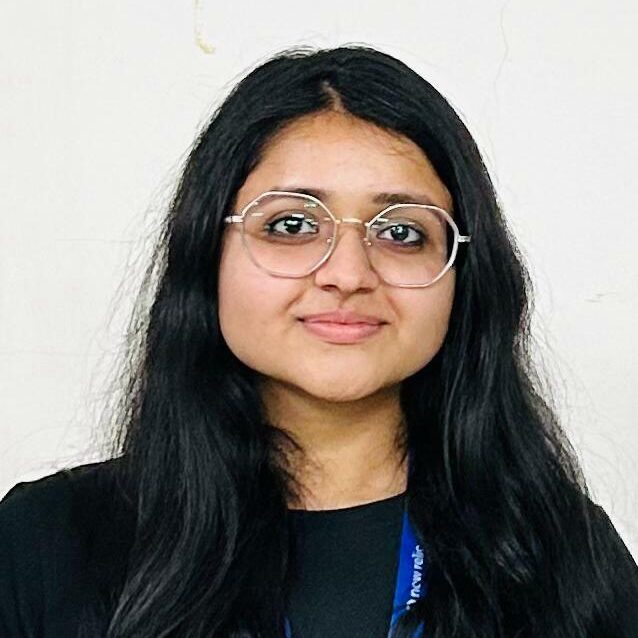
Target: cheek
{"points": [[251, 303], [235, 290], [429, 318]]}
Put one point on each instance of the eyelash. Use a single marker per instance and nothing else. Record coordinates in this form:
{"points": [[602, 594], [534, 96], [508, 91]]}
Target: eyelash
{"points": [[270, 229]]}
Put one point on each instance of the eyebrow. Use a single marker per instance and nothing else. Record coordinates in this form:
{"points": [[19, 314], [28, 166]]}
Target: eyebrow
{"points": [[404, 197]]}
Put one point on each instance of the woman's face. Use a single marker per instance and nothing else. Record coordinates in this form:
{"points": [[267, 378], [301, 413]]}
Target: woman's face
{"points": [[259, 314]]}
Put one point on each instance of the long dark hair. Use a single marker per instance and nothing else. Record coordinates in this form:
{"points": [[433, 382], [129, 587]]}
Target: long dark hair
{"points": [[515, 546]]}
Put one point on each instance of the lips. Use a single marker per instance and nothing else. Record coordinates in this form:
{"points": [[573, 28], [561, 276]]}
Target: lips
{"points": [[342, 333], [343, 317], [343, 326]]}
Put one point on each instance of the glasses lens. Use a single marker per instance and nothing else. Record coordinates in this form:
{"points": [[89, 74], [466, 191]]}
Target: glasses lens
{"points": [[411, 245], [287, 235]]}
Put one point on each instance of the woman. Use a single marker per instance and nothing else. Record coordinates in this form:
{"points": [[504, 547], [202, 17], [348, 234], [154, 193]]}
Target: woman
{"points": [[332, 426]]}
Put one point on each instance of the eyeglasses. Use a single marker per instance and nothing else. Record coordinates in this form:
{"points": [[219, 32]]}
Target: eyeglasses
{"points": [[291, 234]]}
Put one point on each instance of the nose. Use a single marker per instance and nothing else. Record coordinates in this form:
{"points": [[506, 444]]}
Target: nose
{"points": [[348, 267]]}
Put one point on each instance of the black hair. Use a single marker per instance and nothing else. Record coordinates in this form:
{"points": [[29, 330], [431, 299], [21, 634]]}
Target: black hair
{"points": [[515, 546]]}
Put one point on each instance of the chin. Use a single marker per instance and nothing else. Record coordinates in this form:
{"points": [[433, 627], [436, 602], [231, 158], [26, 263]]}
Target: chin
{"points": [[339, 390]]}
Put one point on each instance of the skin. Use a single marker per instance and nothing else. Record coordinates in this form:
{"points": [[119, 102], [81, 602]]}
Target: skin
{"points": [[340, 401]]}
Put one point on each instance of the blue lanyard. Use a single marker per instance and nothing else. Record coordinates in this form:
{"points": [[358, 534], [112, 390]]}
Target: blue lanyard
{"points": [[411, 583]]}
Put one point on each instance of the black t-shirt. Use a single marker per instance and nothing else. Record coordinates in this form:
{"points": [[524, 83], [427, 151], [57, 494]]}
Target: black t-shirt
{"points": [[348, 560], [62, 542]]}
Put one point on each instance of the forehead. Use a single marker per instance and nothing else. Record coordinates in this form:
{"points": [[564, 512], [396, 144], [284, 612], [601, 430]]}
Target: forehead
{"points": [[339, 155]]}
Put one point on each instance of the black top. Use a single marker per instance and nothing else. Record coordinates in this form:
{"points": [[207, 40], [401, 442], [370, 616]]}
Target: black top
{"points": [[62, 543], [348, 560]]}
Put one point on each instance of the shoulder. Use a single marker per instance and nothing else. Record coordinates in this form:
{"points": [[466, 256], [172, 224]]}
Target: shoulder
{"points": [[617, 571], [62, 537], [67, 496], [74, 508], [612, 547]]}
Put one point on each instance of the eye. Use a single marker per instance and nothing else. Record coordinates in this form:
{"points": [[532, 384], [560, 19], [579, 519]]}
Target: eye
{"points": [[292, 224], [399, 231]]}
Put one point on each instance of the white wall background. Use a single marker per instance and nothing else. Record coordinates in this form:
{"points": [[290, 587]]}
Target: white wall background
{"points": [[99, 101]]}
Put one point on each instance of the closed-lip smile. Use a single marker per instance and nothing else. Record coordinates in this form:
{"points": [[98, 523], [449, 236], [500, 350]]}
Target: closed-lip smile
{"points": [[342, 326], [342, 317]]}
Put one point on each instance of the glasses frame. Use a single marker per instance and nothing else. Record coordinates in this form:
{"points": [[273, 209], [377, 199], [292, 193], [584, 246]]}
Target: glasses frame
{"points": [[238, 218]]}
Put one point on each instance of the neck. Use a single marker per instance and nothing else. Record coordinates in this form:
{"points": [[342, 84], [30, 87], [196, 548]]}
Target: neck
{"points": [[350, 453]]}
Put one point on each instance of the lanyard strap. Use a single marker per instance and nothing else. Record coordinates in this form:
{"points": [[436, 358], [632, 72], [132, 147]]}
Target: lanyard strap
{"points": [[410, 583]]}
